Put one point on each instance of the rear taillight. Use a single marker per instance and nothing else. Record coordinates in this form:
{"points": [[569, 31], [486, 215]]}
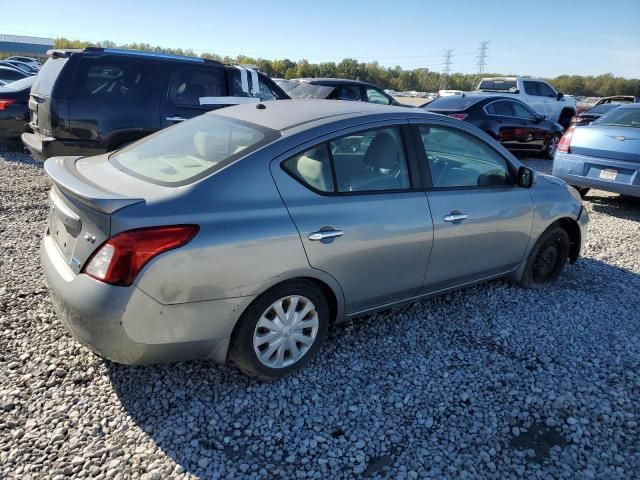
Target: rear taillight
{"points": [[564, 145], [459, 116], [4, 104], [119, 260]]}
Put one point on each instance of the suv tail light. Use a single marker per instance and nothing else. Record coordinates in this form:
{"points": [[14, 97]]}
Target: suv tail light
{"points": [[564, 145], [119, 260], [4, 104], [459, 116]]}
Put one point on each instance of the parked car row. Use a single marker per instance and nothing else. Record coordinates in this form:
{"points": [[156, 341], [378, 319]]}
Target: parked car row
{"points": [[16, 68]]}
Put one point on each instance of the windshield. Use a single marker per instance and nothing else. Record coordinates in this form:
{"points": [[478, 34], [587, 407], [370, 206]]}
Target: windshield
{"points": [[603, 108], [498, 84], [48, 75], [19, 84], [621, 117], [452, 102], [191, 150]]}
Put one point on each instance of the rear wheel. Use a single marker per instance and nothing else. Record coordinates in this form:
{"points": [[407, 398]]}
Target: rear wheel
{"points": [[547, 259], [281, 331], [582, 190], [551, 145]]}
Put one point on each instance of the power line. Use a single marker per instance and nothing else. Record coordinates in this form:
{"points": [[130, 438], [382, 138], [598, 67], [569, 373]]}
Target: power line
{"points": [[444, 78], [482, 60]]}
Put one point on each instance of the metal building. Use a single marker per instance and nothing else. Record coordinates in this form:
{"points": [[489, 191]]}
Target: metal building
{"points": [[26, 46]]}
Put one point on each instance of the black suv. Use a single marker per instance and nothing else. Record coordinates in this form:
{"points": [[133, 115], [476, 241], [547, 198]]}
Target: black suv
{"points": [[91, 101]]}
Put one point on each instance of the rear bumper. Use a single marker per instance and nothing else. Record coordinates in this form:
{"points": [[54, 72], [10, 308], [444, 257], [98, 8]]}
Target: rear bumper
{"points": [[127, 326], [584, 171], [42, 147]]}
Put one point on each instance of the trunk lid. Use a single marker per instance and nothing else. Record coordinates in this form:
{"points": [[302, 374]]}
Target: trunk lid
{"points": [[617, 143], [80, 211]]}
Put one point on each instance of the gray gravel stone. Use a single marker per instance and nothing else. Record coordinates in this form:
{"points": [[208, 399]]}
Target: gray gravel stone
{"points": [[490, 382]]}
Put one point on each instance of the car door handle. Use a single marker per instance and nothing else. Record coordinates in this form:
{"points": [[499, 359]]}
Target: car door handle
{"points": [[324, 234], [455, 217], [176, 119]]}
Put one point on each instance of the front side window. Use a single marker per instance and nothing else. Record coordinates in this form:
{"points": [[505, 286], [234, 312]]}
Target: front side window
{"points": [[370, 161], [190, 86], [458, 159], [191, 150], [376, 96], [546, 90]]}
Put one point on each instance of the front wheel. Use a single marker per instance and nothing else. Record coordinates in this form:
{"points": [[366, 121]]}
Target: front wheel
{"points": [[547, 259], [281, 331]]}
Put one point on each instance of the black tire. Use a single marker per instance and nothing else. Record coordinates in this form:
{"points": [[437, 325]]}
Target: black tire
{"points": [[547, 259], [551, 145], [565, 118], [241, 350], [582, 190]]}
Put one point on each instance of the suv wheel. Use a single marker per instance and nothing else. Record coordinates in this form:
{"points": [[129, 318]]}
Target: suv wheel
{"points": [[281, 331], [547, 259]]}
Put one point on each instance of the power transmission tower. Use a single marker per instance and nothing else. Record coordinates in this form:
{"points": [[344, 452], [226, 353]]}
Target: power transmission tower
{"points": [[445, 76], [482, 61]]}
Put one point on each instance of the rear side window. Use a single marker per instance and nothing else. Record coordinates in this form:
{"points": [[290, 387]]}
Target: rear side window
{"points": [[369, 161], [113, 81], [501, 107], [190, 87], [47, 76], [349, 92], [376, 96], [181, 154], [263, 92], [312, 167], [457, 159]]}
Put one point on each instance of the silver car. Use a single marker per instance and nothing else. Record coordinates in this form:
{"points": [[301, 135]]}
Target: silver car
{"points": [[245, 233]]}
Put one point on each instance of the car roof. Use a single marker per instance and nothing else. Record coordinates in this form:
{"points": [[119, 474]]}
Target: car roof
{"points": [[286, 114], [330, 81], [131, 53]]}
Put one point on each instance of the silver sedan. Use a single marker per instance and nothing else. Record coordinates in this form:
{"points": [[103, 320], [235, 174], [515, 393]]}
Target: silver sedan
{"points": [[246, 232]]}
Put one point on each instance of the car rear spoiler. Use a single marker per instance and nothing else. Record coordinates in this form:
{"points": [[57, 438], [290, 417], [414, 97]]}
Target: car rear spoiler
{"points": [[65, 176]]}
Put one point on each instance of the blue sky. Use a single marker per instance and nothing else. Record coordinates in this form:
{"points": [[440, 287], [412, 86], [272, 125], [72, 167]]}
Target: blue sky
{"points": [[535, 37]]}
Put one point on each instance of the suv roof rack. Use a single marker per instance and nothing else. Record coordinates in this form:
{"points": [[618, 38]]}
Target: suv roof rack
{"points": [[65, 52]]}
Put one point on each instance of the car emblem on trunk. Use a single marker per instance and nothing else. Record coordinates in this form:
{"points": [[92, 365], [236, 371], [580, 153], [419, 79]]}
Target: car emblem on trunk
{"points": [[89, 238]]}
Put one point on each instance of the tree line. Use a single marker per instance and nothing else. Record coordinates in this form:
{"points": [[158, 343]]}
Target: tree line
{"points": [[394, 78]]}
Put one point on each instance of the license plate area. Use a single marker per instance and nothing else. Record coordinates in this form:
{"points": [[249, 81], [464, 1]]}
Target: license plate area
{"points": [[61, 236], [608, 174]]}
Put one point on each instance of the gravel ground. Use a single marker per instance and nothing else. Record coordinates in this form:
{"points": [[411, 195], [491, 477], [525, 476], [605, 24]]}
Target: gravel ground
{"points": [[491, 382]]}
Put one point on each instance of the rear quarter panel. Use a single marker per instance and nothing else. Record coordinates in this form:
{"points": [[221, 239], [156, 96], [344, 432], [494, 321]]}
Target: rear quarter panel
{"points": [[246, 243]]}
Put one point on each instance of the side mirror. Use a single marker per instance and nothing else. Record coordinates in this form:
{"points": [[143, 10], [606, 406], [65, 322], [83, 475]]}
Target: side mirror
{"points": [[541, 118], [525, 177], [560, 95]]}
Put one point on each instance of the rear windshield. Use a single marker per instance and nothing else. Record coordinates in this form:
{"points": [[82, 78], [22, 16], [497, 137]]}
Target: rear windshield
{"points": [[452, 102], [621, 117], [191, 150], [602, 108], [46, 78], [21, 84], [499, 85]]}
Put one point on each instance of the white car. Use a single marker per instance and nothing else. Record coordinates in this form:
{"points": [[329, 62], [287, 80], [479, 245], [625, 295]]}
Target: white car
{"points": [[538, 94]]}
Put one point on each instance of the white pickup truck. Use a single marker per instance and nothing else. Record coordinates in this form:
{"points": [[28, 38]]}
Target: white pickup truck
{"points": [[538, 94]]}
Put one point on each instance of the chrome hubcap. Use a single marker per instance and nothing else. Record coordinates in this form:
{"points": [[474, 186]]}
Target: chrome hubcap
{"points": [[285, 331]]}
